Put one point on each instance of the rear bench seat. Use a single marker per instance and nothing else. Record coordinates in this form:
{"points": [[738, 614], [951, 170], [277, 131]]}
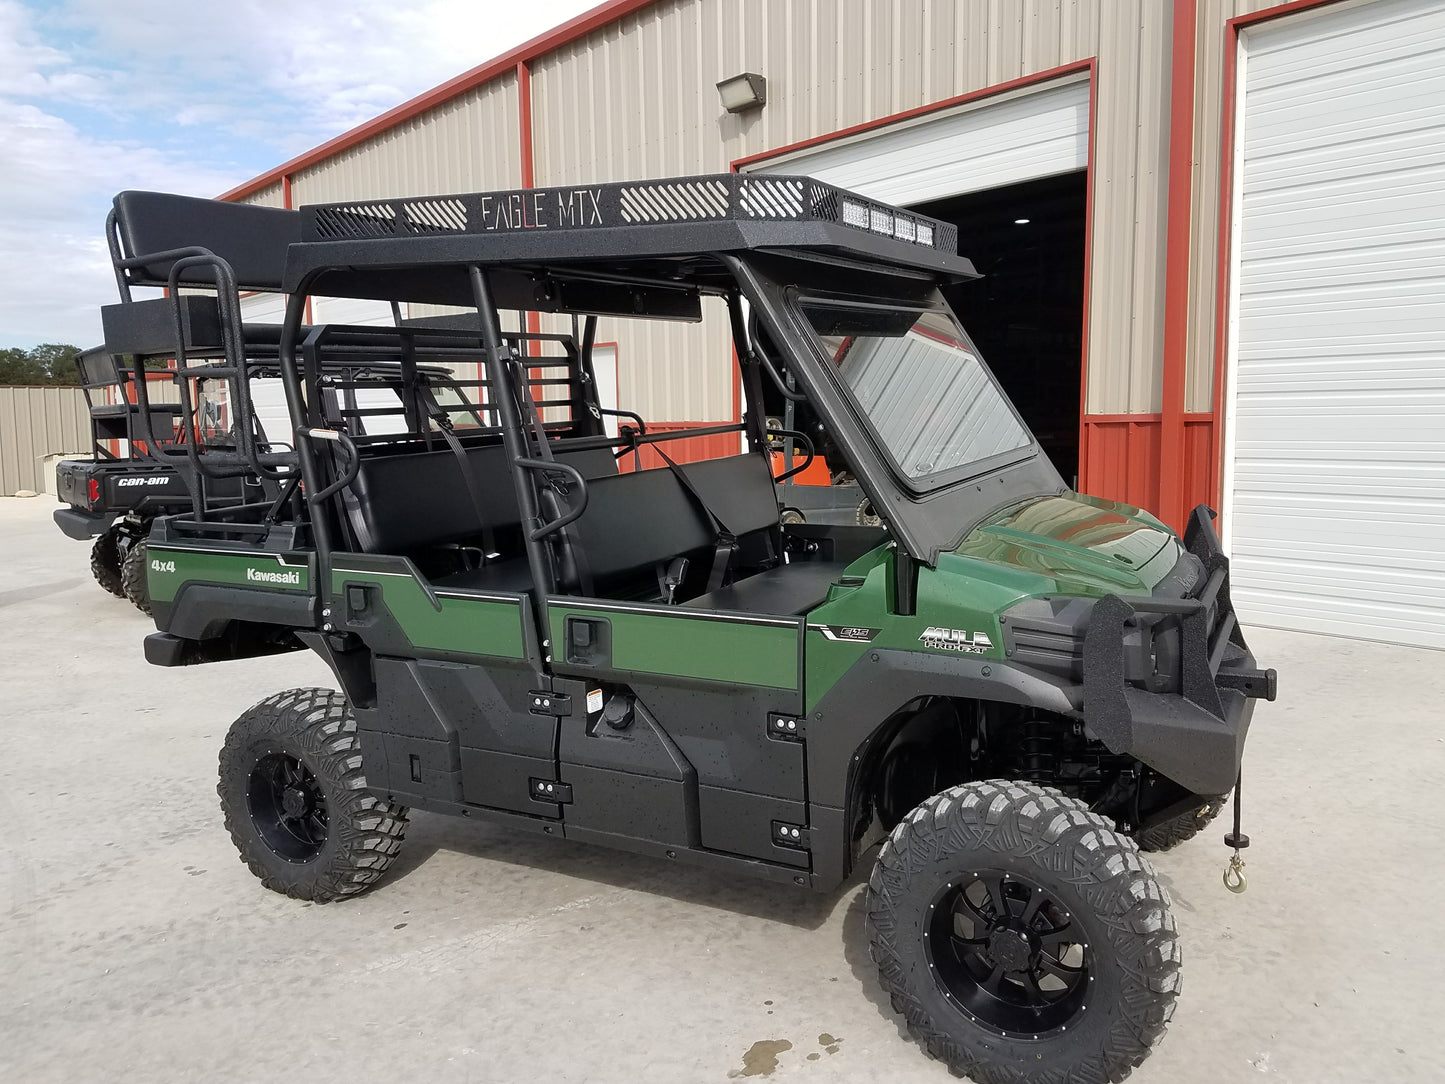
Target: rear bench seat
{"points": [[633, 523], [402, 504]]}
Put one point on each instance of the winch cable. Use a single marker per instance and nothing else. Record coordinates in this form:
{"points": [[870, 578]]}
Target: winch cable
{"points": [[1234, 874]]}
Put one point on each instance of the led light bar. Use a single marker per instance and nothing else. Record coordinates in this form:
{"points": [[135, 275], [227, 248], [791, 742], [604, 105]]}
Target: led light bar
{"points": [[717, 198]]}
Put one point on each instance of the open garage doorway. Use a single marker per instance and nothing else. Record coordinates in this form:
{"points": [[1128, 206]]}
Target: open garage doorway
{"points": [[1026, 315]]}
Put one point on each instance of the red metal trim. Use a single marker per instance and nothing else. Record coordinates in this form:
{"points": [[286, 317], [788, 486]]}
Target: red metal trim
{"points": [[1176, 265], [554, 39], [1117, 419], [1224, 250], [524, 121], [524, 129], [286, 191], [922, 110], [1084, 481], [1265, 14]]}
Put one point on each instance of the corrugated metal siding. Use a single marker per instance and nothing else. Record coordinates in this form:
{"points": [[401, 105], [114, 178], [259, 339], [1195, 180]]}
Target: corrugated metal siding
{"points": [[668, 371], [1204, 221], [637, 99], [34, 423], [1001, 140], [1337, 493], [270, 196], [1209, 107], [469, 144]]}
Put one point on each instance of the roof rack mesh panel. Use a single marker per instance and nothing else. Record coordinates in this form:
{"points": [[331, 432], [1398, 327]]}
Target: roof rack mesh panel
{"points": [[715, 198]]}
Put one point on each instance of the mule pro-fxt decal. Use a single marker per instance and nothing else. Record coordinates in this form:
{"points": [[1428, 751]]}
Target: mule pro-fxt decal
{"points": [[939, 638]]}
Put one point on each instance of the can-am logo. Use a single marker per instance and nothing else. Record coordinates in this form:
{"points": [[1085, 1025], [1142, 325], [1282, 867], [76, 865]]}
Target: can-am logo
{"points": [[940, 639], [142, 481], [255, 575]]}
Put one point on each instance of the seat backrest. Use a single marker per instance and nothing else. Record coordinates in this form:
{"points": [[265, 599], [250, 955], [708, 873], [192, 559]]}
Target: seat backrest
{"points": [[635, 521], [252, 239], [403, 503]]}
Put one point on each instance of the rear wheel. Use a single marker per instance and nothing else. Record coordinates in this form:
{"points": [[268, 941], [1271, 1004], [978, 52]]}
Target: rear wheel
{"points": [[1022, 938], [294, 797], [1180, 829], [133, 576], [105, 562]]}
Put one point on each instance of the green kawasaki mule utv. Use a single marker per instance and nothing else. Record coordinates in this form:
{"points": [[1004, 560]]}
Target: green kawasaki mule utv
{"points": [[1006, 683]]}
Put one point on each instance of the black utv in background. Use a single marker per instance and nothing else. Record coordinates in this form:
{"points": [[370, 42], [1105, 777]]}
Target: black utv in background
{"points": [[113, 497]]}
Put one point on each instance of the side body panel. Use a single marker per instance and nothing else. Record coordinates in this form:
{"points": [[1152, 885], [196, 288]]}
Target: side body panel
{"points": [[711, 682]]}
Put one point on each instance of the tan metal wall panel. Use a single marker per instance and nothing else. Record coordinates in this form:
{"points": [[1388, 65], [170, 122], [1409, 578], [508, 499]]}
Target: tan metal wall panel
{"points": [[469, 144], [271, 196], [636, 99], [1204, 220], [34, 423]]}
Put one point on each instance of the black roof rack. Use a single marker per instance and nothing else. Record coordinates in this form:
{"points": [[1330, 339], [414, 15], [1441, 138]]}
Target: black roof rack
{"points": [[633, 220]]}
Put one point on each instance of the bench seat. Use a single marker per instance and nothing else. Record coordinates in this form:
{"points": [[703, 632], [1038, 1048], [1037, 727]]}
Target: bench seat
{"points": [[786, 590], [513, 577]]}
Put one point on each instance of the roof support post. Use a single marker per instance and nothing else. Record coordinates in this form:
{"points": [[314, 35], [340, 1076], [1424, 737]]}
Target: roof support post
{"points": [[510, 420]]}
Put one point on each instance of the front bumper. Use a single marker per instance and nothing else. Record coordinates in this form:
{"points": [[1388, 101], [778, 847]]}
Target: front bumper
{"points": [[1190, 723]]}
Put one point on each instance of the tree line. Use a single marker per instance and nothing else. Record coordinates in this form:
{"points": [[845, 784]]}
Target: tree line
{"points": [[48, 363]]}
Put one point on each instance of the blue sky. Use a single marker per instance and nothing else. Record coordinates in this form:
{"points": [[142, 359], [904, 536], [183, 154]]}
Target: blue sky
{"points": [[97, 96]]}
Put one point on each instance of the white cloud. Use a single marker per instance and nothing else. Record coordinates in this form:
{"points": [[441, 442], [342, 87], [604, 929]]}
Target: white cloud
{"points": [[97, 96]]}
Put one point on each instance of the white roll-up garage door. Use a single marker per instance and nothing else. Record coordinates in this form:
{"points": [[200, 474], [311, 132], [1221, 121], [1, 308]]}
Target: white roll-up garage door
{"points": [[1037, 134], [1335, 439]]}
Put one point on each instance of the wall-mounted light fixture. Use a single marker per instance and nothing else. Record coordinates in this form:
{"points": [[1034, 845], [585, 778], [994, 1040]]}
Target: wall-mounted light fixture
{"points": [[1021, 222], [743, 92]]}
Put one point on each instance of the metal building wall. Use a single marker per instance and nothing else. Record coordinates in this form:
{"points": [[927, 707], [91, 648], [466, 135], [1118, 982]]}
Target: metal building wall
{"points": [[469, 144], [1209, 111], [34, 423], [273, 195], [637, 99]]}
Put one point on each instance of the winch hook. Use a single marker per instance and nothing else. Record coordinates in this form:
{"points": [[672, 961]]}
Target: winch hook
{"points": [[1234, 873]]}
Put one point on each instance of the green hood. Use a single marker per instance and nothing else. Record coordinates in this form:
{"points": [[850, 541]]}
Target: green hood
{"points": [[1087, 545]]}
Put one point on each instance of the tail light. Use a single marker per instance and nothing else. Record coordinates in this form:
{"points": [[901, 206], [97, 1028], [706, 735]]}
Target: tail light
{"points": [[93, 491]]}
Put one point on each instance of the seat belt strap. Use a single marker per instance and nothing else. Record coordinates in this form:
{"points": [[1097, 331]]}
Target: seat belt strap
{"points": [[727, 542], [443, 424]]}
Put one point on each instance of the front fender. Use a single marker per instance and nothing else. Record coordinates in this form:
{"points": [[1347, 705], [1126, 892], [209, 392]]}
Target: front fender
{"points": [[853, 711]]}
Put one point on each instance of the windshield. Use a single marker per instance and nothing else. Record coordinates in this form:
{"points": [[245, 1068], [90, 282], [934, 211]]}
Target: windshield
{"points": [[919, 384]]}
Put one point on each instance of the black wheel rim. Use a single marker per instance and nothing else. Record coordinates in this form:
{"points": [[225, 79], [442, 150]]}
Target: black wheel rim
{"points": [[1008, 954], [287, 807]]}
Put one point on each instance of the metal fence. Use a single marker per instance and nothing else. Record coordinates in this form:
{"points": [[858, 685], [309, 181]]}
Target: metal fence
{"points": [[35, 423]]}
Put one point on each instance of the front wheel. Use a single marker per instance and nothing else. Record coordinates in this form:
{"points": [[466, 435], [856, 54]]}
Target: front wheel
{"points": [[295, 801], [1022, 938]]}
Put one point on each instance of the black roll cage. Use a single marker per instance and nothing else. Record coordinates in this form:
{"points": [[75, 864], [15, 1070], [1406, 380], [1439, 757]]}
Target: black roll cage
{"points": [[650, 249]]}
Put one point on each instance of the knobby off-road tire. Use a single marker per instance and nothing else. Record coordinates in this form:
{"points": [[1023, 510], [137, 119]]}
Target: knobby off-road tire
{"points": [[105, 562], [990, 886], [295, 801], [133, 576], [1177, 830]]}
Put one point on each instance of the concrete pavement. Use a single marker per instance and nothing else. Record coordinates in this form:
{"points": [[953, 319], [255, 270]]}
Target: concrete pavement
{"points": [[134, 946]]}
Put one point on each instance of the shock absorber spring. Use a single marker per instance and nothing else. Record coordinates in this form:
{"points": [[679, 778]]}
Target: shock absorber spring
{"points": [[1036, 752]]}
